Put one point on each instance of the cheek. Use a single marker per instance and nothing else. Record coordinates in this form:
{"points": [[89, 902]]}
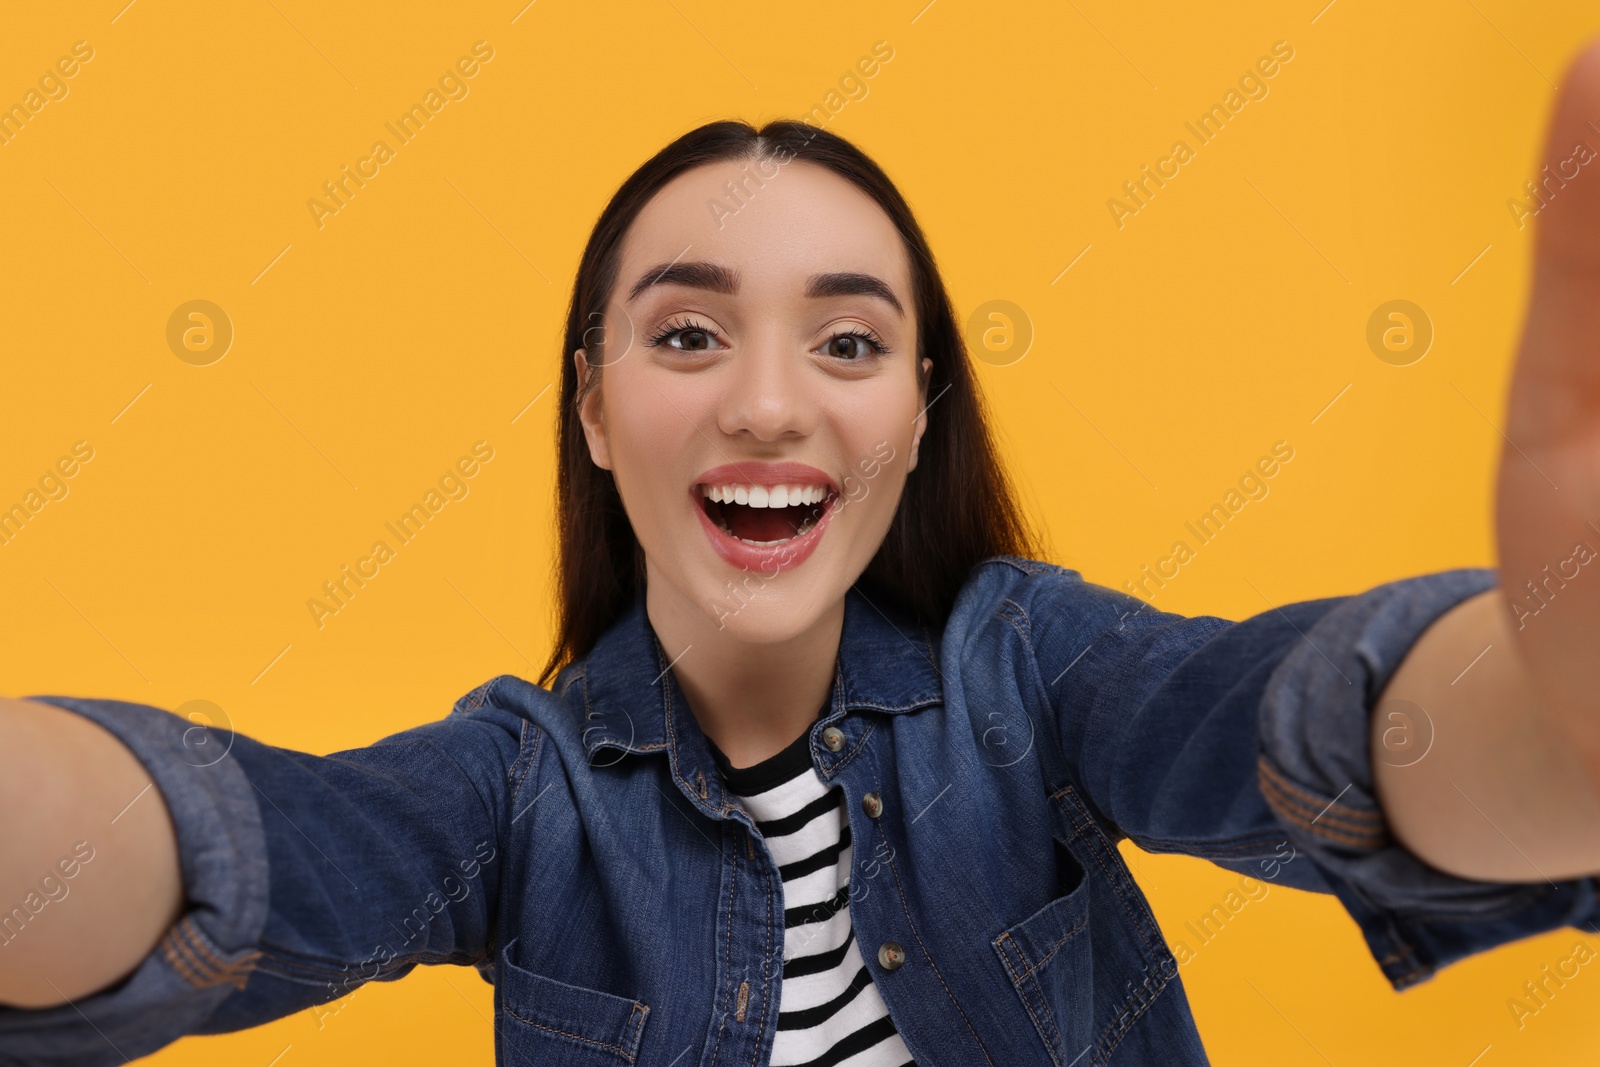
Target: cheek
{"points": [[877, 442], [650, 436], [877, 429]]}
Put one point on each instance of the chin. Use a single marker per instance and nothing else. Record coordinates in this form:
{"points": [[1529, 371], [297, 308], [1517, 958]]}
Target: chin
{"points": [[758, 610]]}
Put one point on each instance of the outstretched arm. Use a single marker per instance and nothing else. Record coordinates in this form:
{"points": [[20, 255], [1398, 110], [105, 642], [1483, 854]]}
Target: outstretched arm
{"points": [[82, 826], [1248, 744], [1506, 686], [302, 876]]}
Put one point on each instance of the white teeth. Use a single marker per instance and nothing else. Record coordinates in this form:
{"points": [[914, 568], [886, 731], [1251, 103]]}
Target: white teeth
{"points": [[766, 496]]}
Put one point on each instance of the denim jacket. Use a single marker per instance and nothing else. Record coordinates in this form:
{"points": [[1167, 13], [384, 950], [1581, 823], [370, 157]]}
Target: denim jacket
{"points": [[578, 848]]}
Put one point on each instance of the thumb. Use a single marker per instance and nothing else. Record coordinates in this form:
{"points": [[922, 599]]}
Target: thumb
{"points": [[1555, 390], [1567, 230]]}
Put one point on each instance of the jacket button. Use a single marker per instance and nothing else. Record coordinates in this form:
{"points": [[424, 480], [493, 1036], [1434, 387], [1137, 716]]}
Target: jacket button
{"points": [[833, 737], [891, 955], [872, 804]]}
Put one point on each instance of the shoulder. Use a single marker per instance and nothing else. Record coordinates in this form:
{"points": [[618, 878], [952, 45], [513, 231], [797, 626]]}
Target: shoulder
{"points": [[1032, 592], [508, 698], [538, 728], [1066, 621], [528, 715]]}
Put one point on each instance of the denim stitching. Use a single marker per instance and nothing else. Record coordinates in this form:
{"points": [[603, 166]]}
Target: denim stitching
{"points": [[1391, 934], [1027, 1004], [640, 1012], [294, 967], [672, 733], [1063, 940], [180, 963], [234, 972], [1005, 958], [526, 757], [1405, 950], [915, 705], [1332, 815], [1052, 1031], [1284, 808], [1085, 830], [1242, 844], [1272, 790], [766, 960], [727, 941], [1020, 621], [204, 963], [1270, 778], [852, 752], [1019, 626], [1143, 1006], [1369, 842], [1021, 563], [576, 1037], [184, 948], [1310, 800], [900, 886], [475, 699]]}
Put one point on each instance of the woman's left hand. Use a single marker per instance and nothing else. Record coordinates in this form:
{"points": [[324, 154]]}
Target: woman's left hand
{"points": [[1547, 500]]}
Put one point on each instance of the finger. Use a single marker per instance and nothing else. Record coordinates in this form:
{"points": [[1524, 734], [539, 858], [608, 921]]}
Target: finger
{"points": [[1567, 189], [1555, 394]]}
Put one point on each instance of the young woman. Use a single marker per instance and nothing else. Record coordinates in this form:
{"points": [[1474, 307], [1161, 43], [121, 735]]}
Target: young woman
{"points": [[830, 769]]}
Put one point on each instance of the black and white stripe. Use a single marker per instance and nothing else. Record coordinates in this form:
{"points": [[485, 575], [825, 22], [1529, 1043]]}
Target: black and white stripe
{"points": [[830, 1014]]}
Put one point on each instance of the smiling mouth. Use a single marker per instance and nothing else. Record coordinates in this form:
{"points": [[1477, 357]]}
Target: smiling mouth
{"points": [[763, 516]]}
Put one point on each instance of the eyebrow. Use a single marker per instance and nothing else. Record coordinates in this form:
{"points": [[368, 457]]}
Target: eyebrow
{"points": [[719, 279]]}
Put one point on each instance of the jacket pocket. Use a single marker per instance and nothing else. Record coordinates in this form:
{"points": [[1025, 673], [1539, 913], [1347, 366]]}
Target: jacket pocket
{"points": [[1133, 958], [1049, 958], [562, 1025]]}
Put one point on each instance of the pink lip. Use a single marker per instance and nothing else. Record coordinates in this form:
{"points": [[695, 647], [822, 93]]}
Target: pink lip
{"points": [[775, 558], [765, 474]]}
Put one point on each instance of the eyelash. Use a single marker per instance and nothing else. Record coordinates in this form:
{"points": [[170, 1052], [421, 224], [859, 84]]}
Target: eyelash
{"points": [[678, 326]]}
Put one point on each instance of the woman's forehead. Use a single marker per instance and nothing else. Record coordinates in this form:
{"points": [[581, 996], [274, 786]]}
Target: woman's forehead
{"points": [[773, 225]]}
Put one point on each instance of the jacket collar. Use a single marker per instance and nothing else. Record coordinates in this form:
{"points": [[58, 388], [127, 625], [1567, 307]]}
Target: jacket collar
{"points": [[632, 701]]}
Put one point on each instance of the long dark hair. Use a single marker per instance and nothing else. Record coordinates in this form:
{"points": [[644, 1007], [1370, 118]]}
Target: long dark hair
{"points": [[957, 507]]}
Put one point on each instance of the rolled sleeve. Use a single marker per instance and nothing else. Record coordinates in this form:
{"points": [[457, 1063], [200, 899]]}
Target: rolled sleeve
{"points": [[208, 952], [1315, 770], [305, 876]]}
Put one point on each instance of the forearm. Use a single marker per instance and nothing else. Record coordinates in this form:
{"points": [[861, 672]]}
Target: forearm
{"points": [[1475, 775], [89, 877]]}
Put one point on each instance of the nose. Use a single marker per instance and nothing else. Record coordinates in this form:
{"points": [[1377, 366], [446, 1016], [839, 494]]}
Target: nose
{"points": [[768, 392]]}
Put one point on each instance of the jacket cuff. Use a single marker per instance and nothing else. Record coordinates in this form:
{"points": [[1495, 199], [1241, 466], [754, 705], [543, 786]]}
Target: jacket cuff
{"points": [[210, 951], [1315, 770]]}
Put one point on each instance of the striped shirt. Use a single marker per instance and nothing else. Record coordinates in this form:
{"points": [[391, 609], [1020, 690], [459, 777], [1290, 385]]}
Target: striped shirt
{"points": [[830, 1014]]}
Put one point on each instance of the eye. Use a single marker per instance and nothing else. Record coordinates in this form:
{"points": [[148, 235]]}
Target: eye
{"points": [[694, 337], [855, 344]]}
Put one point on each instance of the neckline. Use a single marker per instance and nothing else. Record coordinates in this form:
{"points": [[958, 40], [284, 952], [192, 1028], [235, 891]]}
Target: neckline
{"points": [[773, 771]]}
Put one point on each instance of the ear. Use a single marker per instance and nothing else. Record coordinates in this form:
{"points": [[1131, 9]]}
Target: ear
{"points": [[591, 413], [922, 416]]}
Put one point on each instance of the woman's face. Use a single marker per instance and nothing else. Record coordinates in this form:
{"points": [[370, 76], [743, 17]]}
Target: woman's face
{"points": [[758, 342]]}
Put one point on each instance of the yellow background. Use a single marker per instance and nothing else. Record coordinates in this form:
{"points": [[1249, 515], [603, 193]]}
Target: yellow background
{"points": [[370, 353]]}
